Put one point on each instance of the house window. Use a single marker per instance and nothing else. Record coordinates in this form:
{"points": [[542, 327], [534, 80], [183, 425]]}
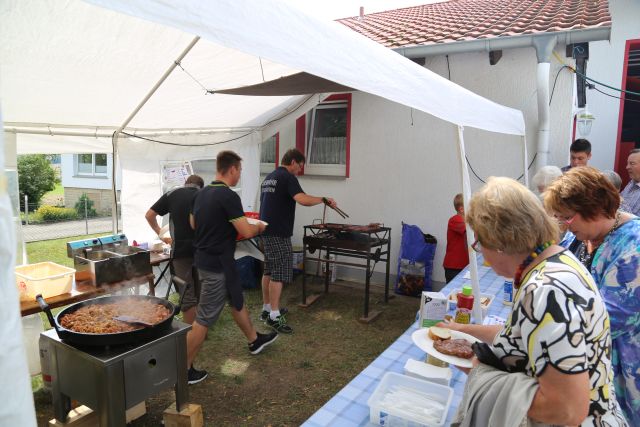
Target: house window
{"points": [[269, 153], [328, 137], [91, 164]]}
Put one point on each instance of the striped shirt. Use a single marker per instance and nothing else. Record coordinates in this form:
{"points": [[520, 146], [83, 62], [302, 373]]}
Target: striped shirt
{"points": [[631, 198]]}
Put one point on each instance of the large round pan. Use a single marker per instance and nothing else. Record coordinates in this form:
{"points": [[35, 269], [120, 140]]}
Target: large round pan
{"points": [[119, 338]]}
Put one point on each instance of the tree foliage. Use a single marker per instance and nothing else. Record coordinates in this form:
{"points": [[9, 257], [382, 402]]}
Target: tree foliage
{"points": [[35, 177]]}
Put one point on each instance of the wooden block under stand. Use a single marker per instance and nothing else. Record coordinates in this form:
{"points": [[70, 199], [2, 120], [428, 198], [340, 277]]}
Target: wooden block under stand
{"points": [[191, 416], [310, 300], [83, 416], [370, 318]]}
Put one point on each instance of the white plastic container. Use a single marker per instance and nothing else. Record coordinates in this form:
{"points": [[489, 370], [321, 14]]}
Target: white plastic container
{"points": [[423, 394], [31, 328], [46, 278], [421, 370]]}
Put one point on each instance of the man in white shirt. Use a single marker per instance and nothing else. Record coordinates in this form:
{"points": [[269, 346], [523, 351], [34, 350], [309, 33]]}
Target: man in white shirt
{"points": [[631, 193]]}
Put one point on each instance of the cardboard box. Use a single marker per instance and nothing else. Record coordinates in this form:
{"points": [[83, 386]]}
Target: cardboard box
{"points": [[433, 307]]}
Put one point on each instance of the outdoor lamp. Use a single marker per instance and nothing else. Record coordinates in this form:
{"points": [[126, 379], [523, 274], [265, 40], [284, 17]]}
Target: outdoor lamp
{"points": [[585, 120]]}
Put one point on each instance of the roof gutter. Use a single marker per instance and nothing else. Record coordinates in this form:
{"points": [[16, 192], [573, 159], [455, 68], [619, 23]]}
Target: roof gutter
{"points": [[543, 43], [508, 42]]}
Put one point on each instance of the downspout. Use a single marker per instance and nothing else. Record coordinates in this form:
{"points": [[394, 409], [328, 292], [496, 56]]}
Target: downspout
{"points": [[544, 48]]}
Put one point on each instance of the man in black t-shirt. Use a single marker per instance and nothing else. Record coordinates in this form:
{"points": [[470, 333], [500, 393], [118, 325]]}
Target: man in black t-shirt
{"points": [[177, 203], [279, 193], [217, 217]]}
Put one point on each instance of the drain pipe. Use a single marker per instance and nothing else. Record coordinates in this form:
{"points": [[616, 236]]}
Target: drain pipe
{"points": [[544, 48]]}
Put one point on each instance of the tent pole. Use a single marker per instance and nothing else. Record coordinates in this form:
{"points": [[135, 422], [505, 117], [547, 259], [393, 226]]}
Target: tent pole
{"points": [[473, 262], [114, 211], [114, 138], [158, 84], [526, 161]]}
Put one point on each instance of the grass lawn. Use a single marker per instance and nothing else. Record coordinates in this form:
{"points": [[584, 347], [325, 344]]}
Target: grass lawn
{"points": [[57, 191], [292, 378], [53, 250]]}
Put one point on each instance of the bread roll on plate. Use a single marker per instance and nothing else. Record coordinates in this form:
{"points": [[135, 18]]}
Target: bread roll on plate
{"points": [[439, 334]]}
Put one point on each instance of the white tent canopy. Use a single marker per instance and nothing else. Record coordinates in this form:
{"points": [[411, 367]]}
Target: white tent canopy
{"points": [[68, 65], [71, 63]]}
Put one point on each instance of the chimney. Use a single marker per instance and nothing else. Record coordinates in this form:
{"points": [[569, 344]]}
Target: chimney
{"points": [[361, 12]]}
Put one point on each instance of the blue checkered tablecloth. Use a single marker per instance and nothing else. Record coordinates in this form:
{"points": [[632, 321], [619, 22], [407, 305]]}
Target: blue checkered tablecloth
{"points": [[349, 407]]}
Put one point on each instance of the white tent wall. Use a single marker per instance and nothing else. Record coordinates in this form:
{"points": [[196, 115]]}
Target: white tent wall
{"points": [[18, 410], [60, 144], [141, 164], [401, 171]]}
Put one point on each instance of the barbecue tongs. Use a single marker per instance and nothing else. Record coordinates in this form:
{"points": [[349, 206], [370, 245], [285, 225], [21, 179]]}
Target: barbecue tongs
{"points": [[342, 213]]}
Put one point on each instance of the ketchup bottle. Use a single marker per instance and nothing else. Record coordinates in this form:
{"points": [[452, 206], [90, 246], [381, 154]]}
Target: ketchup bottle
{"points": [[465, 305]]}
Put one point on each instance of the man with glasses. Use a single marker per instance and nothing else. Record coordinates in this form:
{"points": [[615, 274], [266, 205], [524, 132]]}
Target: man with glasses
{"points": [[280, 191]]}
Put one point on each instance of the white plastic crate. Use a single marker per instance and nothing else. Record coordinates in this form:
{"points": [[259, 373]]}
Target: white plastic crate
{"points": [[400, 400], [46, 278]]}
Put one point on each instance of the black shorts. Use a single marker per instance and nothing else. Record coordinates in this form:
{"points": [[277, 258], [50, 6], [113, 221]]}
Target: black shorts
{"points": [[278, 258]]}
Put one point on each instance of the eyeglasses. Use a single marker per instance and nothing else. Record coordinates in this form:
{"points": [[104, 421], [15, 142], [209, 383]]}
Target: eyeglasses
{"points": [[476, 246], [565, 219]]}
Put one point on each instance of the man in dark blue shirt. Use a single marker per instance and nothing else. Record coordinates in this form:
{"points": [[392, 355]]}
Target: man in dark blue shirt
{"points": [[217, 217], [279, 193]]}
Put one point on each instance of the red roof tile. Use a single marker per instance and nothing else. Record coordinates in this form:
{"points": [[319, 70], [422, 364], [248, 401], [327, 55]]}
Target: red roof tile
{"points": [[461, 20]]}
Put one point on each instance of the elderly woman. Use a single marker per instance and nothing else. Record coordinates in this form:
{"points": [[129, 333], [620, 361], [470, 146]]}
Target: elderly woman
{"points": [[557, 333], [586, 201], [545, 176]]}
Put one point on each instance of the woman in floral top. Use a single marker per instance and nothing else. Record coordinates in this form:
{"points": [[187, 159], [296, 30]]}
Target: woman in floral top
{"points": [[558, 329], [588, 203]]}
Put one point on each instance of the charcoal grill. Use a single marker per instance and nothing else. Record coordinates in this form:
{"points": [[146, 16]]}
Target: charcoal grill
{"points": [[371, 243], [112, 379]]}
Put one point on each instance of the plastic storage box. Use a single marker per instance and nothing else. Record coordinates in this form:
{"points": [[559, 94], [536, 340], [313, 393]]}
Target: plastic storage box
{"points": [[398, 398], [46, 278]]}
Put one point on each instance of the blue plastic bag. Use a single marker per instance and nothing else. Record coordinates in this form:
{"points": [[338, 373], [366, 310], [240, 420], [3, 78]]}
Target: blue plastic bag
{"points": [[415, 261]]}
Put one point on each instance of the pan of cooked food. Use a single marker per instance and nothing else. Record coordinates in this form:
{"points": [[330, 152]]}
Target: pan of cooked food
{"points": [[93, 322]]}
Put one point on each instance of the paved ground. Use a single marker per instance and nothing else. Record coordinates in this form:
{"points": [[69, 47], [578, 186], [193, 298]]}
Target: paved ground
{"points": [[58, 230]]}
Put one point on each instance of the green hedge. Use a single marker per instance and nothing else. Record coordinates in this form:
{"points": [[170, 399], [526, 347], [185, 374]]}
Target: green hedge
{"points": [[53, 213]]}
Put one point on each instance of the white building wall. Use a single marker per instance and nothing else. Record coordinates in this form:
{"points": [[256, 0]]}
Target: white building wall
{"points": [[70, 179], [404, 164], [606, 60]]}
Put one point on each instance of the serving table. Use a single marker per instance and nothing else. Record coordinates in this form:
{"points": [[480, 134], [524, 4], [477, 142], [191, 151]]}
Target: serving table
{"points": [[84, 289], [369, 243], [349, 408]]}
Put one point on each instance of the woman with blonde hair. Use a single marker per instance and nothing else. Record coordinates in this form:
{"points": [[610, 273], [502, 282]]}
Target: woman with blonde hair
{"points": [[586, 201], [557, 333]]}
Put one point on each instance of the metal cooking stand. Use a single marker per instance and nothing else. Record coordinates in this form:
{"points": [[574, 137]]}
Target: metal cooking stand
{"points": [[371, 246], [111, 380]]}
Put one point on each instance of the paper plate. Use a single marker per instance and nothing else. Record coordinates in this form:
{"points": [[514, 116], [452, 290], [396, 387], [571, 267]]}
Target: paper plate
{"points": [[422, 340], [254, 221]]}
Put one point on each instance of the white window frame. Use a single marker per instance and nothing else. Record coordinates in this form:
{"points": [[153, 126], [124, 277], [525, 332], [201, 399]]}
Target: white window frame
{"points": [[93, 173], [266, 168], [321, 168]]}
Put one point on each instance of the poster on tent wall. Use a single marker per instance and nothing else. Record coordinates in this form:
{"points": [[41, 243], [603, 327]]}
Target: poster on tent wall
{"points": [[174, 174]]}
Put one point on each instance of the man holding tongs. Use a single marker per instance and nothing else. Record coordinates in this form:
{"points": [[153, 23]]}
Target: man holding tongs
{"points": [[279, 193]]}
